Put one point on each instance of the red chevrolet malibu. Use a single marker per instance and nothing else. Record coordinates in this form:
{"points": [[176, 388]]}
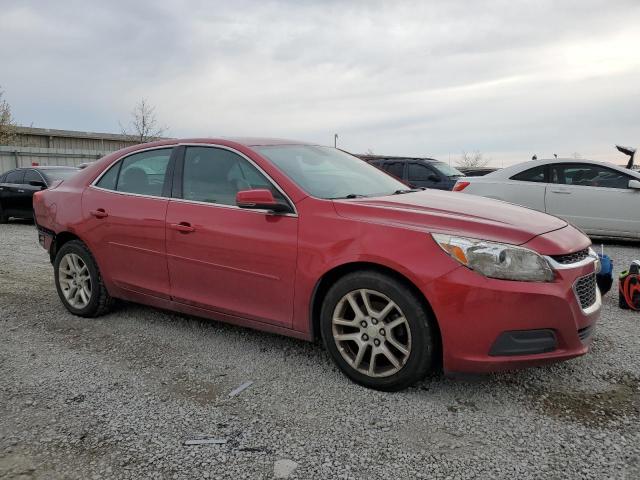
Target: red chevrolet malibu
{"points": [[311, 242]]}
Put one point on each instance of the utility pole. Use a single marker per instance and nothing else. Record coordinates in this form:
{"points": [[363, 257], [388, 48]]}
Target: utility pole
{"points": [[335, 140]]}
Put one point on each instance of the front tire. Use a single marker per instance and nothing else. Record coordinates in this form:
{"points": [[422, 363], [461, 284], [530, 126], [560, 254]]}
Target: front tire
{"points": [[377, 331], [78, 281]]}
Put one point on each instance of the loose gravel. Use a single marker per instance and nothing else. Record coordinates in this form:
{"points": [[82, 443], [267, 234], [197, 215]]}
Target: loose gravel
{"points": [[117, 396]]}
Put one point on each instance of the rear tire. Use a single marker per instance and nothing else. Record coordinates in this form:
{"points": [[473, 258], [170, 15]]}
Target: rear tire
{"points": [[377, 331], [78, 281]]}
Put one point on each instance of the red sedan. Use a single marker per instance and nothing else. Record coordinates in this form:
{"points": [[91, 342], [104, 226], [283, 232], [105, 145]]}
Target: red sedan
{"points": [[308, 241]]}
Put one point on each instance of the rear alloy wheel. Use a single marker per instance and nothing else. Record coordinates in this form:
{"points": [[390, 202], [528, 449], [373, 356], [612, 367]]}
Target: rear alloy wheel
{"points": [[377, 331], [79, 282], [74, 280]]}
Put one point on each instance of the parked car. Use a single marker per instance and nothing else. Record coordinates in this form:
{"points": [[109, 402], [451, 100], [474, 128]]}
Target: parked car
{"points": [[476, 171], [311, 242], [417, 172], [600, 198], [18, 186]]}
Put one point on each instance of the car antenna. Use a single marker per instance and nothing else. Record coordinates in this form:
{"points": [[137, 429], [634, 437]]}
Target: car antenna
{"points": [[555, 155], [535, 157], [627, 151]]}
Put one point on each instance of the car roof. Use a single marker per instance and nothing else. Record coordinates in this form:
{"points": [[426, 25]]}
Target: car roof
{"points": [[46, 167], [260, 141], [372, 158], [511, 170]]}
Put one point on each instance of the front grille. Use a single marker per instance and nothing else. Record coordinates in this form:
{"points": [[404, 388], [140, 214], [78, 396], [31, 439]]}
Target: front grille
{"points": [[585, 288], [586, 332], [571, 257]]}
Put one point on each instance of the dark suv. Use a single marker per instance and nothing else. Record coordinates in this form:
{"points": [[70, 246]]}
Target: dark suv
{"points": [[18, 186], [418, 172]]}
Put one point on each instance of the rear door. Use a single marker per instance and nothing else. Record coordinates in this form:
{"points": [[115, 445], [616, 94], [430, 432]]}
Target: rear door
{"points": [[396, 169], [11, 192], [125, 212], [225, 258], [594, 198], [423, 175], [526, 188]]}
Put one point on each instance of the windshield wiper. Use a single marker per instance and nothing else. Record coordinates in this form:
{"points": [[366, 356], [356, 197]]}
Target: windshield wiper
{"points": [[350, 195], [407, 190]]}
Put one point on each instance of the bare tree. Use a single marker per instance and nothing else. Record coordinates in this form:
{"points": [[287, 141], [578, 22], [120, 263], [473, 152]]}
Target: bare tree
{"points": [[7, 123], [144, 126], [576, 155], [369, 152], [472, 160]]}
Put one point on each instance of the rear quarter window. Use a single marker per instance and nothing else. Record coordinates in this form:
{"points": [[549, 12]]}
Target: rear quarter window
{"points": [[536, 174]]}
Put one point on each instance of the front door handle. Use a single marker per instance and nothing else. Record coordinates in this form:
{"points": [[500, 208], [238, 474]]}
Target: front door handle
{"points": [[566, 192], [182, 227], [20, 191], [99, 213]]}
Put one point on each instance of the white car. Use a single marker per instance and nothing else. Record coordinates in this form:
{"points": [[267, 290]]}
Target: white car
{"points": [[600, 198]]}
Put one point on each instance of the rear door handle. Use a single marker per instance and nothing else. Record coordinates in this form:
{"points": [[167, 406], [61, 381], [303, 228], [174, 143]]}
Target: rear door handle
{"points": [[20, 191], [99, 213], [560, 190], [182, 227]]}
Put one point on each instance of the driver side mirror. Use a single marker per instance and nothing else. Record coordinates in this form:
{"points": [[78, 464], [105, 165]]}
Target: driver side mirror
{"points": [[37, 183], [262, 199], [635, 184]]}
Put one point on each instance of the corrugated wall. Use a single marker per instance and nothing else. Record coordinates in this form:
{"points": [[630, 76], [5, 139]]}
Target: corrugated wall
{"points": [[50, 147]]}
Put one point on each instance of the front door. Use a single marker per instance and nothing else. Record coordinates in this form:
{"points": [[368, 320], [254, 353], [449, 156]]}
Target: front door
{"points": [[125, 212], [595, 198], [26, 198], [221, 257]]}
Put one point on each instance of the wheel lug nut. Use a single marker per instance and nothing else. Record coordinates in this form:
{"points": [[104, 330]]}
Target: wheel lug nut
{"points": [[364, 324], [374, 321], [376, 342], [365, 337], [382, 332]]}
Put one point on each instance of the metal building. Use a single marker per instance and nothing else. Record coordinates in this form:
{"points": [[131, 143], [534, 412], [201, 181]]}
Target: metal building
{"points": [[44, 146]]}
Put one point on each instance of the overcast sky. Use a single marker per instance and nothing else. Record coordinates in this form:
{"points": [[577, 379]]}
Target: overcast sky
{"points": [[507, 78]]}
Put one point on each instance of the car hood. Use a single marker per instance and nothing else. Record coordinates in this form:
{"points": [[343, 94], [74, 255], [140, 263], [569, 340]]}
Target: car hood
{"points": [[454, 213]]}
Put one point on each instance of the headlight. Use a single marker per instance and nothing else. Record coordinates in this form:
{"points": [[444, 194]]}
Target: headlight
{"points": [[496, 260]]}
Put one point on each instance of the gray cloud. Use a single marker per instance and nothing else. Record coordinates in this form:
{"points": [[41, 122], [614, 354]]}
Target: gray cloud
{"points": [[420, 78]]}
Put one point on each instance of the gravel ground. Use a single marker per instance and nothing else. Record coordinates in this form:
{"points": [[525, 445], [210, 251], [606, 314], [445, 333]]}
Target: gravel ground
{"points": [[115, 397]]}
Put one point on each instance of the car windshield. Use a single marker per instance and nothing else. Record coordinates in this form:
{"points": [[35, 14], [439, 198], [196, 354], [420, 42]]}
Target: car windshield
{"points": [[447, 170], [326, 172], [59, 174]]}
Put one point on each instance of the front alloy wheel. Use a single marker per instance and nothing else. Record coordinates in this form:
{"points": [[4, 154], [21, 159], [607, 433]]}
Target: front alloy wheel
{"points": [[371, 332], [378, 330]]}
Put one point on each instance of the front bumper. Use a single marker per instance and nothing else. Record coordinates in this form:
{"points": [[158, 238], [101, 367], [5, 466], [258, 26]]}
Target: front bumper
{"points": [[492, 325]]}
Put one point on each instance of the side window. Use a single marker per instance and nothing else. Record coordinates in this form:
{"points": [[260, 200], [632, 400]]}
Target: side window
{"points": [[2, 177], [32, 176], [16, 176], [420, 173], [144, 173], [109, 179], [587, 175], [394, 168], [216, 175], [535, 174]]}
